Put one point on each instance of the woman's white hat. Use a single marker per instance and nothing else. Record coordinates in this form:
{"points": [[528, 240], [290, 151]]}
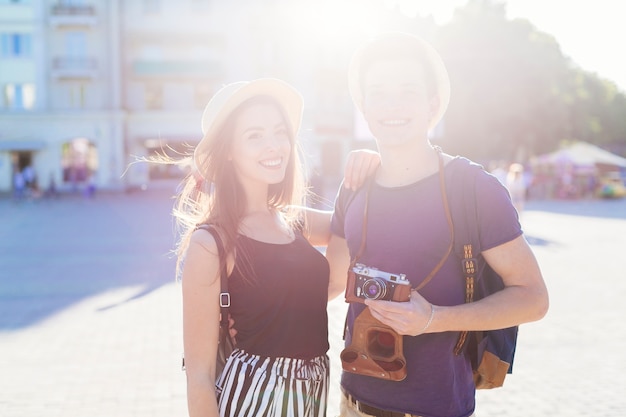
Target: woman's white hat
{"points": [[413, 43], [229, 97]]}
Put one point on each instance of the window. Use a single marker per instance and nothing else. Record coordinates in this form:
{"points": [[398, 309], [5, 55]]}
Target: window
{"points": [[19, 96], [151, 6], [203, 93], [76, 44], [72, 2], [79, 159], [15, 45], [153, 96], [178, 96], [76, 95], [200, 5]]}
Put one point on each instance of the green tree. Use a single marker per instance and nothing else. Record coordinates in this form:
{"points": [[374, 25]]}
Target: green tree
{"points": [[597, 110], [514, 93], [507, 82]]}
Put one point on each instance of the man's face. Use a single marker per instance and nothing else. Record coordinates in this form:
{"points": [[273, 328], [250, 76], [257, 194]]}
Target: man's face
{"points": [[396, 103]]}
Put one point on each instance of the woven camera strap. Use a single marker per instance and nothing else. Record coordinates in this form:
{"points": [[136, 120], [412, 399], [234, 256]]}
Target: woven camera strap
{"points": [[469, 234], [469, 268], [446, 207]]}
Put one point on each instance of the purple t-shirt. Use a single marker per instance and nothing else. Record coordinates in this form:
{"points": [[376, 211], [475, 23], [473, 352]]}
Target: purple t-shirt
{"points": [[407, 233]]}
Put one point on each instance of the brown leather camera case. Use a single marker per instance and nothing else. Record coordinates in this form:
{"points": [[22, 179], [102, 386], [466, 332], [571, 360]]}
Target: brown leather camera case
{"points": [[376, 350]]}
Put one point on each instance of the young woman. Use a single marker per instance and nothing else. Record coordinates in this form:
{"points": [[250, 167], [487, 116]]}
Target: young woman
{"points": [[247, 184]]}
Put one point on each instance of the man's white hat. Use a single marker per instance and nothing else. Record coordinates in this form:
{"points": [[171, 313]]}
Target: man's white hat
{"points": [[411, 43]]}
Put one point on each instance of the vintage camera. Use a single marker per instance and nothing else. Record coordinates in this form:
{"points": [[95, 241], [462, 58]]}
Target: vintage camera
{"points": [[365, 282]]}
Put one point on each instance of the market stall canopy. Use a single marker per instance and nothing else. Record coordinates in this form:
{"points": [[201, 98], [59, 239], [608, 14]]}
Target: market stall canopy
{"points": [[584, 155]]}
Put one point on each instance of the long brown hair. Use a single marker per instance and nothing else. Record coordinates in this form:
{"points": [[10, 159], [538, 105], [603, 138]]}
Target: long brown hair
{"points": [[214, 195]]}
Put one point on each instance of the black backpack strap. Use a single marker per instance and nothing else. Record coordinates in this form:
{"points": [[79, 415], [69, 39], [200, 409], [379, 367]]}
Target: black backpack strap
{"points": [[224, 294]]}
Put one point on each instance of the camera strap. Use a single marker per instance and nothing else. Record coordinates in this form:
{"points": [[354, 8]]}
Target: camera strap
{"points": [[446, 207], [364, 225]]}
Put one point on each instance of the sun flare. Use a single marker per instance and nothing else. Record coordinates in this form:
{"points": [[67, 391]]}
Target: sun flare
{"points": [[326, 23]]}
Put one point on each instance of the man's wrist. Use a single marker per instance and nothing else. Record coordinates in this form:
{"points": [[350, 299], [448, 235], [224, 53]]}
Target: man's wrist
{"points": [[430, 319]]}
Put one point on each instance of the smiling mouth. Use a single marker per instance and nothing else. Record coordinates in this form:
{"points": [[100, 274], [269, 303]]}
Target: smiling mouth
{"points": [[272, 163], [394, 122]]}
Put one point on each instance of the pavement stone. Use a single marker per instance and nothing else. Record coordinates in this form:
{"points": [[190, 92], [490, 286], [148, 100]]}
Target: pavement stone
{"points": [[90, 313]]}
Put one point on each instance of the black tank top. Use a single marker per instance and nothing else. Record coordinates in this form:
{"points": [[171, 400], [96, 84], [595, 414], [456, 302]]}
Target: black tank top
{"points": [[282, 313]]}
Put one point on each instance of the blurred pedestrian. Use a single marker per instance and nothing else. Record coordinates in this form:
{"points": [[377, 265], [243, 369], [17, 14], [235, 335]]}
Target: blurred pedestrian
{"points": [[30, 178], [90, 186], [516, 184], [499, 171], [51, 191], [19, 185]]}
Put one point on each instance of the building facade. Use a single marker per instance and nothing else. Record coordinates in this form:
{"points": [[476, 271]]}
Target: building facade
{"points": [[60, 107], [88, 86]]}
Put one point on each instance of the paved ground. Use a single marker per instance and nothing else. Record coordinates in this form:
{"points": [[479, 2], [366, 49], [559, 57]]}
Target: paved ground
{"points": [[90, 312]]}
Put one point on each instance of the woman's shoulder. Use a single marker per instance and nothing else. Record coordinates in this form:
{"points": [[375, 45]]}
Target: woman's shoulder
{"points": [[202, 237], [201, 261]]}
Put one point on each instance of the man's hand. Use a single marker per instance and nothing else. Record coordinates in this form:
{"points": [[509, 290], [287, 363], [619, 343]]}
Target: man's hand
{"points": [[406, 318]]}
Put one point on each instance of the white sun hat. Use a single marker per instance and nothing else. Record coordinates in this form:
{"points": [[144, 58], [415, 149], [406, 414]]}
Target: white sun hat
{"points": [[231, 96]]}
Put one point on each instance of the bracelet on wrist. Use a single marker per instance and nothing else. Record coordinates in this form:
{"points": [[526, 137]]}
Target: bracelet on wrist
{"points": [[430, 319]]}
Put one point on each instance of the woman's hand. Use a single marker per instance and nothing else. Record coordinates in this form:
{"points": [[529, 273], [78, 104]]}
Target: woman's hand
{"points": [[360, 165], [231, 329]]}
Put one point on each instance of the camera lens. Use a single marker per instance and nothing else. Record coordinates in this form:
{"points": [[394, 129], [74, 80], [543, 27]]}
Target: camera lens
{"points": [[374, 289]]}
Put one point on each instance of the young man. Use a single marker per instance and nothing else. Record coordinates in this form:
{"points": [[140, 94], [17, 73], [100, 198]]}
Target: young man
{"points": [[401, 86]]}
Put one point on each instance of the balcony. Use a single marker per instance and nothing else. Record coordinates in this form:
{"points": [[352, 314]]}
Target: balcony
{"points": [[73, 16], [73, 68], [176, 68]]}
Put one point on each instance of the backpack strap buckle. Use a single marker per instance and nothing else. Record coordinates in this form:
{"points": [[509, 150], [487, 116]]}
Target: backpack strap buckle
{"points": [[469, 266], [224, 299]]}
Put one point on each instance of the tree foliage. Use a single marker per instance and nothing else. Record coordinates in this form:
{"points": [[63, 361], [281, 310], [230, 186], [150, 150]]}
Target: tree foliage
{"points": [[515, 94]]}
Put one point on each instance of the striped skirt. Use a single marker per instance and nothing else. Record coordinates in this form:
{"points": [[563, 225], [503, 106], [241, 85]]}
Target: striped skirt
{"points": [[252, 386]]}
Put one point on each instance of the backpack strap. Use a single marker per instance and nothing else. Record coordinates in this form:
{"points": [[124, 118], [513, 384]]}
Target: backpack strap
{"points": [[224, 294], [467, 244], [491, 352]]}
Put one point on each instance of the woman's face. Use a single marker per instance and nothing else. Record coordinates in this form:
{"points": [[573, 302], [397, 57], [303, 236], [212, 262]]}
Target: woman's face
{"points": [[261, 146]]}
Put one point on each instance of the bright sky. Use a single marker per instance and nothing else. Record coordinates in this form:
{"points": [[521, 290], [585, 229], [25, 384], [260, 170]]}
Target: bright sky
{"points": [[590, 32]]}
